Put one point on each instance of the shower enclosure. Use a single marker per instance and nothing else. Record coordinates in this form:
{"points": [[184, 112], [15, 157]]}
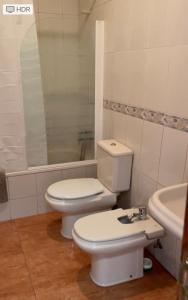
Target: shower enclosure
{"points": [[58, 71]]}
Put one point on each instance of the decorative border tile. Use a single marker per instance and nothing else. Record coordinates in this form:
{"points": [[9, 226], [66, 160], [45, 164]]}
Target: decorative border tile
{"points": [[148, 115]]}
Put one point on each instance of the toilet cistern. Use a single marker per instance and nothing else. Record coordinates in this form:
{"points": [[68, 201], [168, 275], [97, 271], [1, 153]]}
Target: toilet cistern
{"points": [[80, 197]]}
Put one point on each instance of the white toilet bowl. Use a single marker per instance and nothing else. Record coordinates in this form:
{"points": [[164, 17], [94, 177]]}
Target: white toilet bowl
{"points": [[76, 198], [116, 249]]}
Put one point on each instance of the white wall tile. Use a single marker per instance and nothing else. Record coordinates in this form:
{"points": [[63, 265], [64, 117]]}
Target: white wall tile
{"points": [[9, 53], [70, 7], [74, 173], [122, 25], [109, 16], [134, 77], [119, 127], [45, 179], [107, 124], [5, 211], [91, 171], [23, 207], [173, 157], [48, 6], [150, 149], [42, 205], [178, 87], [22, 186], [108, 75], [146, 188], [177, 22], [139, 19], [156, 78], [134, 128], [158, 23]]}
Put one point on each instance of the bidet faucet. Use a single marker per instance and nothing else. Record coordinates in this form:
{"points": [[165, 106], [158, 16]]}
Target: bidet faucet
{"points": [[141, 215]]}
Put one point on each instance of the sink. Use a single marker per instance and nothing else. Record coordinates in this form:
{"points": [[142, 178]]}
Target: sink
{"points": [[167, 206]]}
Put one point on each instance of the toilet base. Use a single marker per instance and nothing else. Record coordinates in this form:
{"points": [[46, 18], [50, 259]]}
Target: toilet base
{"points": [[68, 224], [111, 270]]}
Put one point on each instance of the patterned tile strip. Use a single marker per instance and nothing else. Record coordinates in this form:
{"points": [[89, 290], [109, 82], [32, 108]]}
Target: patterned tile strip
{"points": [[148, 115]]}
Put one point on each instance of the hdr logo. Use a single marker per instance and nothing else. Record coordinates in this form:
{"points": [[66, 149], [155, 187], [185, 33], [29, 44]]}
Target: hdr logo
{"points": [[17, 9]]}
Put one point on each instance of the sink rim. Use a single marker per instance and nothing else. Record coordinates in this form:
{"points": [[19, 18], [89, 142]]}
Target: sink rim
{"points": [[164, 215]]}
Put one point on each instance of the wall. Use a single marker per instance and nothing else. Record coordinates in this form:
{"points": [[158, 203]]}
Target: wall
{"points": [[65, 62], [33, 100], [27, 189], [146, 55], [15, 142], [12, 131]]}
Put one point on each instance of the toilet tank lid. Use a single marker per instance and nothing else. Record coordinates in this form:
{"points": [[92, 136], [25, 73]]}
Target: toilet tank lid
{"points": [[114, 148], [75, 188]]}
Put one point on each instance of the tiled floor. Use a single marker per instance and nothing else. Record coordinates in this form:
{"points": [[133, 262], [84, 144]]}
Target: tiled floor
{"points": [[37, 263]]}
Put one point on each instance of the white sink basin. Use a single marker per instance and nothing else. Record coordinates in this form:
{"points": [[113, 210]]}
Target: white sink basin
{"points": [[167, 206]]}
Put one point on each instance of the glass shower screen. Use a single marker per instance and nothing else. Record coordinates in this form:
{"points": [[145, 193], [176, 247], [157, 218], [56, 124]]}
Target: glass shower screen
{"points": [[58, 70]]}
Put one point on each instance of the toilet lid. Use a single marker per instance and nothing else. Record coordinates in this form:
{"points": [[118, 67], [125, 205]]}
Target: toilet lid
{"points": [[75, 188], [105, 226]]}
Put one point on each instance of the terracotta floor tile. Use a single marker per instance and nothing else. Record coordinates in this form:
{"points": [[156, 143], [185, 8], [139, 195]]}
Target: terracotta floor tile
{"points": [[53, 264], [38, 219], [19, 296], [38, 263], [9, 238], [13, 271], [42, 236]]}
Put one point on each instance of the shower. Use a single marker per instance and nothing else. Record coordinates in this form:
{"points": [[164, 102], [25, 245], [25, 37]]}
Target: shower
{"points": [[58, 66]]}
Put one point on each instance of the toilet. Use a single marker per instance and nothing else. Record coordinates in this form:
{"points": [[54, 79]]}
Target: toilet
{"points": [[77, 198], [116, 248]]}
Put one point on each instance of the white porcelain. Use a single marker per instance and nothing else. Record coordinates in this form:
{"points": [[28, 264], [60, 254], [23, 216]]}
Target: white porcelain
{"points": [[76, 208], [114, 165], [167, 206], [81, 196], [116, 249]]}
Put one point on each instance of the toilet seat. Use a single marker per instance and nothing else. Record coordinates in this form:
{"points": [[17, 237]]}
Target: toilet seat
{"points": [[109, 228], [92, 203], [88, 196], [75, 188]]}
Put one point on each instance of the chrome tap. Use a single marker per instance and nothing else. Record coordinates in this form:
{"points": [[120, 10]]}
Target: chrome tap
{"points": [[141, 215]]}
